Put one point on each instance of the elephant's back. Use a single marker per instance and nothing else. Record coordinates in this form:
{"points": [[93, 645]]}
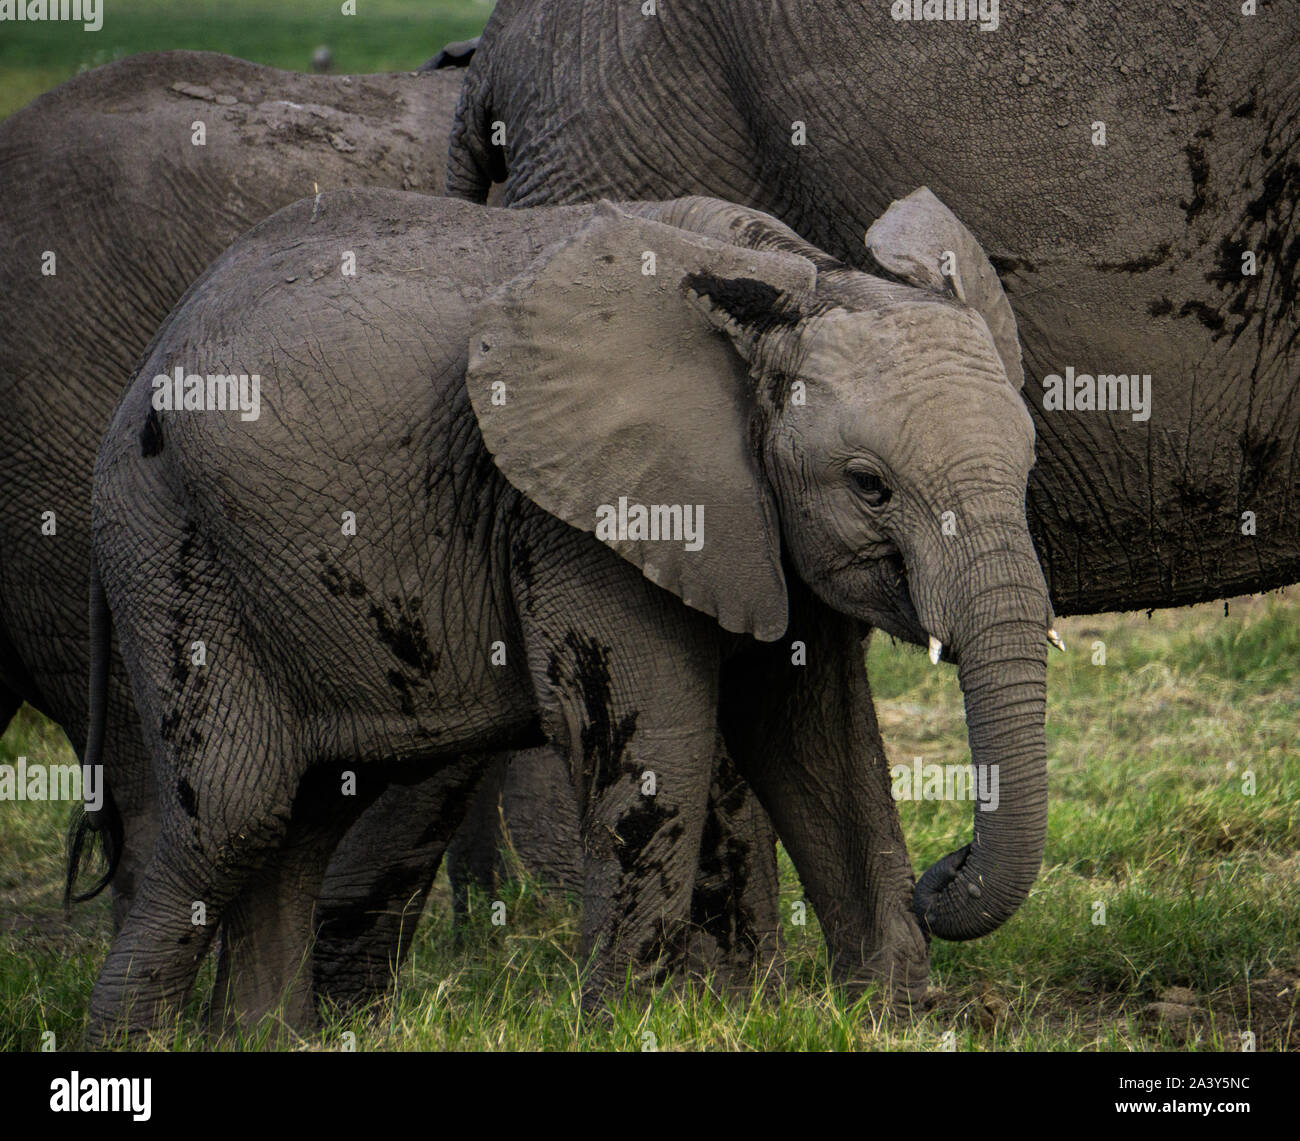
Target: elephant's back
{"points": [[360, 271], [358, 460], [124, 183], [385, 129], [353, 310]]}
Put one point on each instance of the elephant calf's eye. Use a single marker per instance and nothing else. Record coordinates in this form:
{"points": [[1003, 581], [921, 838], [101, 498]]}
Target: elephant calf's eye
{"points": [[872, 487]]}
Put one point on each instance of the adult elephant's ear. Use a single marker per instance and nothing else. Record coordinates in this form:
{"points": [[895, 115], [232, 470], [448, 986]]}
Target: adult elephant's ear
{"points": [[602, 392], [911, 240]]}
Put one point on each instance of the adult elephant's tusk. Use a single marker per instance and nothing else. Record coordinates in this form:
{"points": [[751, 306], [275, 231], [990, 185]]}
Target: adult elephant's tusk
{"points": [[936, 650], [1055, 639]]}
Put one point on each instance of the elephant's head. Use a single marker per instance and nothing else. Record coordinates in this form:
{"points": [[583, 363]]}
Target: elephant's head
{"points": [[697, 354]]}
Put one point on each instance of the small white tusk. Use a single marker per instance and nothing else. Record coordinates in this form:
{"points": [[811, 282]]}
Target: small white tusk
{"points": [[1055, 639], [936, 650]]}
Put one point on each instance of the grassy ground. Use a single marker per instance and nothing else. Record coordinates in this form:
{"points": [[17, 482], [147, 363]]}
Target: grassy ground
{"points": [[384, 35], [1148, 753]]}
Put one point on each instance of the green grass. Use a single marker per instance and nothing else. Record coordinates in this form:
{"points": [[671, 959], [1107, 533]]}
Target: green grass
{"points": [[1200, 884], [384, 35]]}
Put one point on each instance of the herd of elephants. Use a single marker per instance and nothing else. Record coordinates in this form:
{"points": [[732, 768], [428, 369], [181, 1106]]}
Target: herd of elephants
{"points": [[788, 278]]}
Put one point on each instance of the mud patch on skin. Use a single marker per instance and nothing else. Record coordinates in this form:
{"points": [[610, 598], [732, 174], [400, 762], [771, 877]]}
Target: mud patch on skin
{"points": [[1247, 109], [405, 694], [521, 563], [637, 827], [1208, 316], [1267, 230], [604, 740], [168, 723], [755, 305], [729, 857], [636, 831], [1196, 497], [719, 884], [1198, 166], [151, 436], [189, 799], [1259, 457], [403, 632], [181, 633], [399, 625], [338, 584], [1143, 264], [181, 666], [189, 541]]}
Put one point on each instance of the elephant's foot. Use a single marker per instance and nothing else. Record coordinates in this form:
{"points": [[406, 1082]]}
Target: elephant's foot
{"points": [[898, 968], [734, 967]]}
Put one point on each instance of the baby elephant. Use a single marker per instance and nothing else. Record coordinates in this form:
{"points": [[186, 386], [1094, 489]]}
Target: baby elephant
{"points": [[404, 482]]}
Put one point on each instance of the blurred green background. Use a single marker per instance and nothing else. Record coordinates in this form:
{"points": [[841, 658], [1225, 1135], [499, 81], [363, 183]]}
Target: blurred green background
{"points": [[384, 35]]}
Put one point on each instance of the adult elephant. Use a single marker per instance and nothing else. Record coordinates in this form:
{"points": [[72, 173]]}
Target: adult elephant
{"points": [[1118, 165], [121, 186], [1137, 204]]}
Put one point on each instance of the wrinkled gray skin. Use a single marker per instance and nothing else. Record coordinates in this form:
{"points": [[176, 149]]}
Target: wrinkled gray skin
{"points": [[102, 172], [1117, 259], [822, 417], [379, 878]]}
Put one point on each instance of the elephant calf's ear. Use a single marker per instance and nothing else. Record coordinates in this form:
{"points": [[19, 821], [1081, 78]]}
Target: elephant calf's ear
{"points": [[603, 394], [911, 240]]}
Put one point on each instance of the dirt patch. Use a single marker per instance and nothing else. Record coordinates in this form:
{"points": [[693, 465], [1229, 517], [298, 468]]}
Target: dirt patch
{"points": [[1266, 1007]]}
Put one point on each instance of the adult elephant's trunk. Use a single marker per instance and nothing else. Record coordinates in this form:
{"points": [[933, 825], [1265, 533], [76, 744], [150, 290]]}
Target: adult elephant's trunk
{"points": [[999, 637]]}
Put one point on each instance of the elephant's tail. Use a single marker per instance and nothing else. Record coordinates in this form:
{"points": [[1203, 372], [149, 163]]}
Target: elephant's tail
{"points": [[101, 828]]}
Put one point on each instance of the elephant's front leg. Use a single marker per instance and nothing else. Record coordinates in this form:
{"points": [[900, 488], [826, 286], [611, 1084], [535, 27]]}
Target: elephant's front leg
{"points": [[626, 678], [803, 730], [736, 909]]}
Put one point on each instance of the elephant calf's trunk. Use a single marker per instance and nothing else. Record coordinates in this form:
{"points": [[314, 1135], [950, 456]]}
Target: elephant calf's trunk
{"points": [[975, 889]]}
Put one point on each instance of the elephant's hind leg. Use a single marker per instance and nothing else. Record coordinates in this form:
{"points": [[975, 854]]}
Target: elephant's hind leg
{"points": [[190, 882], [225, 805], [266, 960], [379, 878]]}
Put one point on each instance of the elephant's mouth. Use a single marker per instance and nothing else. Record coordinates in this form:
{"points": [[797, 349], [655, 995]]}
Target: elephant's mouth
{"points": [[892, 609]]}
